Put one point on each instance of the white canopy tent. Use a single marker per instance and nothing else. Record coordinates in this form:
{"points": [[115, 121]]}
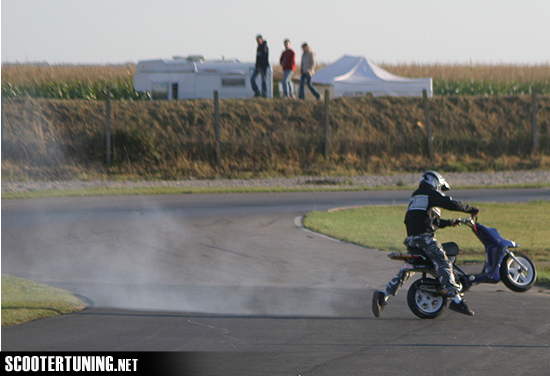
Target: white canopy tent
{"points": [[357, 76]]}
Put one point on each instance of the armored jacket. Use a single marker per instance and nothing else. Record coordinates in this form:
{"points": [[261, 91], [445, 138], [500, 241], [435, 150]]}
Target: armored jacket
{"points": [[424, 213]]}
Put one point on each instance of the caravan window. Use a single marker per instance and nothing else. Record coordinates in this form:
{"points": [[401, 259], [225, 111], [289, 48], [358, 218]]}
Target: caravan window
{"points": [[159, 90], [233, 82]]}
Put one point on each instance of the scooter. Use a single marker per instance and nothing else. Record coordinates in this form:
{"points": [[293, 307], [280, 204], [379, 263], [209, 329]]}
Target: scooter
{"points": [[426, 297]]}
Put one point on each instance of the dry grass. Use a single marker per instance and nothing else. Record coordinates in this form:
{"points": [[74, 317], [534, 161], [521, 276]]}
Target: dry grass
{"points": [[59, 139]]}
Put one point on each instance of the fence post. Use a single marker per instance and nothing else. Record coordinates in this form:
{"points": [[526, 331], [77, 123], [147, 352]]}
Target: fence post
{"points": [[534, 118], [428, 125], [217, 126], [2, 123], [327, 124], [108, 128]]}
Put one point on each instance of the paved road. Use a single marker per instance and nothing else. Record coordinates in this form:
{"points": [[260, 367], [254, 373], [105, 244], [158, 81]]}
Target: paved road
{"points": [[234, 280]]}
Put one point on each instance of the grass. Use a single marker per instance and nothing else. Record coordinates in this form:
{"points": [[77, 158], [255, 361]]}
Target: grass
{"points": [[24, 300], [172, 190], [381, 227], [131, 191]]}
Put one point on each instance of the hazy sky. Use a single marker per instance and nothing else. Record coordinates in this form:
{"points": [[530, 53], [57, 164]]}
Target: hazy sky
{"points": [[385, 31]]}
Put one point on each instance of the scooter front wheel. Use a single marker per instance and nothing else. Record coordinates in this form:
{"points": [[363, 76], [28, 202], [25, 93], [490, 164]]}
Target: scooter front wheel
{"points": [[516, 277], [424, 302]]}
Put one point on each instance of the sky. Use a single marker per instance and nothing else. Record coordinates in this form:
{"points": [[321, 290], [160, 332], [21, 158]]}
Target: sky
{"points": [[384, 31]]}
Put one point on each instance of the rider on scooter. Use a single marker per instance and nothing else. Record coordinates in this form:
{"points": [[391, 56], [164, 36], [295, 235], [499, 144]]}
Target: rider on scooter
{"points": [[422, 220]]}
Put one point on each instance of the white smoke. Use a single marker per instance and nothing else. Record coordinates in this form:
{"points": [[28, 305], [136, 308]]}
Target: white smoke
{"points": [[162, 259]]}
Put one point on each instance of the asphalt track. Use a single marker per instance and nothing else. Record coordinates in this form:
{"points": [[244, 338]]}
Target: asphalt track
{"points": [[233, 283]]}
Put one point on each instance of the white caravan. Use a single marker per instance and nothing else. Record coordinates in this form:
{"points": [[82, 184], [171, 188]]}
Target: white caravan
{"points": [[194, 77]]}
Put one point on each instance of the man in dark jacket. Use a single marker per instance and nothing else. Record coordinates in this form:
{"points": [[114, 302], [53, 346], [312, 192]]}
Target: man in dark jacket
{"points": [[262, 65], [422, 220]]}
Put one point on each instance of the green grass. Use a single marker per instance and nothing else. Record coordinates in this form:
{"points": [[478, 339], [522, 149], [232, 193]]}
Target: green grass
{"points": [[382, 227], [197, 190], [24, 300], [177, 190]]}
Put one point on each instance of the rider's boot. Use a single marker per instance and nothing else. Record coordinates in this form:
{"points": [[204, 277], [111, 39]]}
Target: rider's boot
{"points": [[379, 301], [461, 307]]}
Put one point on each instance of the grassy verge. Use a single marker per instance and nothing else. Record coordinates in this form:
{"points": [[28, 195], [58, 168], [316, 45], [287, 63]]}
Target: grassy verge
{"points": [[107, 191], [382, 227], [176, 190], [24, 300]]}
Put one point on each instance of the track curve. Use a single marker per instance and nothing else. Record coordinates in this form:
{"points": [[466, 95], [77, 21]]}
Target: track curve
{"points": [[233, 273]]}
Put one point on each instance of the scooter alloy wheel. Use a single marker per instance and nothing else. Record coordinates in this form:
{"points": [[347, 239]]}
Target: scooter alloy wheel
{"points": [[425, 304], [516, 277]]}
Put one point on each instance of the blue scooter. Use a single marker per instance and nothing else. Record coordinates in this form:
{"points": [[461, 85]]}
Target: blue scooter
{"points": [[426, 297]]}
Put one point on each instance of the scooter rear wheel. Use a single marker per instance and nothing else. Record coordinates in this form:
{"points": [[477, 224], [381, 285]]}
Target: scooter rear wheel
{"points": [[423, 303], [514, 276]]}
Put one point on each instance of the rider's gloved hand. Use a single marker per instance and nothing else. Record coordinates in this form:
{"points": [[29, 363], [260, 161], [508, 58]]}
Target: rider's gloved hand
{"points": [[473, 211], [455, 222]]}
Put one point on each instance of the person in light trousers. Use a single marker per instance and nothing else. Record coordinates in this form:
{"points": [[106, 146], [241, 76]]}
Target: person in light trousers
{"points": [[308, 69]]}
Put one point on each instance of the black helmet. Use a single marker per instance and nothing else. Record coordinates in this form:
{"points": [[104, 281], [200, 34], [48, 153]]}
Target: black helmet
{"points": [[435, 180]]}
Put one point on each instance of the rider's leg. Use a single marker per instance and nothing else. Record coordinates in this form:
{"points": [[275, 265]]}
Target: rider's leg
{"points": [[380, 298], [435, 252], [445, 273], [443, 268], [396, 282]]}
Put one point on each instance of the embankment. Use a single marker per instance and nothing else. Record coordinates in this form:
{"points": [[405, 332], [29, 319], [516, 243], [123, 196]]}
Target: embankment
{"points": [[65, 139]]}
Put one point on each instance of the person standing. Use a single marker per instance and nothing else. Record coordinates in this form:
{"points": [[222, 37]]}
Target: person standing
{"points": [[262, 65], [288, 62], [308, 69]]}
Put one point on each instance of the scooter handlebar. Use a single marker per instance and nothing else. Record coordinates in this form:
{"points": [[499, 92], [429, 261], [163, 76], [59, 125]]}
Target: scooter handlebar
{"points": [[466, 221]]}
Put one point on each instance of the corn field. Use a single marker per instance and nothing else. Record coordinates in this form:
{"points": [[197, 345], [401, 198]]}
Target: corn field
{"points": [[94, 82], [69, 82]]}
